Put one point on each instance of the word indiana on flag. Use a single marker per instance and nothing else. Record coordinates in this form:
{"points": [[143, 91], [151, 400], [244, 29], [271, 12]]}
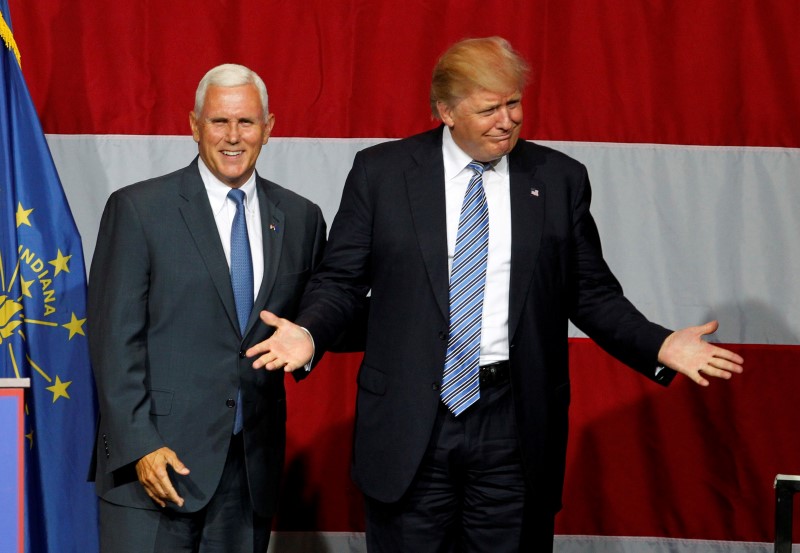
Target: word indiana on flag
{"points": [[686, 115], [42, 323]]}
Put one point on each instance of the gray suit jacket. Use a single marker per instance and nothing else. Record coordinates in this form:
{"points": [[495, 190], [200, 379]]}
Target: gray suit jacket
{"points": [[165, 342]]}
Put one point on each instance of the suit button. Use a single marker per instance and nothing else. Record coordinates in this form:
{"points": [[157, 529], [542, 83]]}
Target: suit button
{"points": [[435, 386], [242, 354], [443, 336], [230, 402]]}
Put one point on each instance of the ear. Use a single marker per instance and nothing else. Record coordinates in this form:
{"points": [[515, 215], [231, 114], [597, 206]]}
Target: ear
{"points": [[194, 126], [445, 113], [268, 128]]}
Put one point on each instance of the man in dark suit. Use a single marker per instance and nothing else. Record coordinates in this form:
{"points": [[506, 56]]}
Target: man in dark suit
{"points": [[461, 417], [191, 439]]}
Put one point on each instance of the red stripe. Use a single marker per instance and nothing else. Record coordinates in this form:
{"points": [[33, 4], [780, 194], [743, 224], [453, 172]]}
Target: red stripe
{"points": [[680, 462], [711, 72]]}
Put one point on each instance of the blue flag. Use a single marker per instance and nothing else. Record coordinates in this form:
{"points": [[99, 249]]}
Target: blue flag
{"points": [[43, 321]]}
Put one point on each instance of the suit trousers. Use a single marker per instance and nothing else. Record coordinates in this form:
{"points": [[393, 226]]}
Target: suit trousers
{"points": [[469, 494], [227, 524]]}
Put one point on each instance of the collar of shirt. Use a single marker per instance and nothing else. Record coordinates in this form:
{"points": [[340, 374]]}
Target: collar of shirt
{"points": [[218, 191], [456, 159]]}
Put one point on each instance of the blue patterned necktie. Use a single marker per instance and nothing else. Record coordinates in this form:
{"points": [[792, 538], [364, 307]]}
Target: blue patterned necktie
{"points": [[241, 279], [460, 386]]}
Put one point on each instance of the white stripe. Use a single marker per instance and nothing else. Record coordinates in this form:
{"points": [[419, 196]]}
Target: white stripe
{"points": [[692, 232]]}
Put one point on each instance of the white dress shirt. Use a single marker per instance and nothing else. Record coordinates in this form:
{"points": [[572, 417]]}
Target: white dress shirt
{"points": [[496, 185], [224, 210]]}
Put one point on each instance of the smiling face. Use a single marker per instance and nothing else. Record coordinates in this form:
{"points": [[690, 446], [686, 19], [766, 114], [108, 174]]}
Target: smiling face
{"points": [[486, 125], [230, 131]]}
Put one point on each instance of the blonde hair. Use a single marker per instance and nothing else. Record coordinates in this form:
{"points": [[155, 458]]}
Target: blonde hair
{"points": [[476, 63]]}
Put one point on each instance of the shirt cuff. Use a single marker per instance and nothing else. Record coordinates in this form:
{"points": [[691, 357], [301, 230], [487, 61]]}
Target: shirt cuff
{"points": [[308, 365]]}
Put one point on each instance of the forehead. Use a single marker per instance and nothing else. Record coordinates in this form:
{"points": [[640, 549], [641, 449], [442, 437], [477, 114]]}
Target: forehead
{"points": [[484, 98], [241, 99]]}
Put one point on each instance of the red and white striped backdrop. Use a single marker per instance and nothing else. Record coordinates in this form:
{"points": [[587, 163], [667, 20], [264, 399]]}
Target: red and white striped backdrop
{"points": [[688, 117]]}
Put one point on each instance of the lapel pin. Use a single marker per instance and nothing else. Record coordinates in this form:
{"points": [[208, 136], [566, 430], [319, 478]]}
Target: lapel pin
{"points": [[535, 192], [273, 227]]}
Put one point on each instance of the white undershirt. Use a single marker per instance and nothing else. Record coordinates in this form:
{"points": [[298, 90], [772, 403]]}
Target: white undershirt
{"points": [[224, 210], [496, 184]]}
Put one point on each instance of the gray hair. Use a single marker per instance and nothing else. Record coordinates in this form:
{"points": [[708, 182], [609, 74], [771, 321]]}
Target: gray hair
{"points": [[228, 75]]}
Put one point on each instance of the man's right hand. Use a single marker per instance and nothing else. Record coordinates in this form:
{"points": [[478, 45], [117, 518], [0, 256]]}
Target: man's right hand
{"points": [[290, 347], [152, 472]]}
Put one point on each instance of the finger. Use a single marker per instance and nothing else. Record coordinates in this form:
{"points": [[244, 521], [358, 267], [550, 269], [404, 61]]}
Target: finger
{"points": [[725, 365], [170, 494], [154, 497], [727, 355], [275, 364], [177, 465], [717, 373], [291, 367], [154, 480], [258, 349], [266, 361], [708, 328], [698, 378]]}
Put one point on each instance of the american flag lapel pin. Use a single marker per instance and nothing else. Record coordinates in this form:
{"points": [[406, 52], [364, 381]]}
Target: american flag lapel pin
{"points": [[535, 192], [273, 227]]}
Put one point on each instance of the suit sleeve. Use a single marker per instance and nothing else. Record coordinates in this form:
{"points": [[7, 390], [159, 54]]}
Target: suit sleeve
{"points": [[336, 294], [118, 296], [599, 307]]}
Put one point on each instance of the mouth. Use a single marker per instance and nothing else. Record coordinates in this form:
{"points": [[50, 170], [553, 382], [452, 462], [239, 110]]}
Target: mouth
{"points": [[231, 153]]}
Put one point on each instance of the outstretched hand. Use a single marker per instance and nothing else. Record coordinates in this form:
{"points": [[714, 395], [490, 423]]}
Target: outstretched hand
{"points": [[289, 348], [686, 352], [152, 473]]}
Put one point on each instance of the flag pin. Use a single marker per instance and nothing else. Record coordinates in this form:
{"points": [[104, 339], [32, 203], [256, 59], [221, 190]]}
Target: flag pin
{"points": [[535, 192], [273, 228]]}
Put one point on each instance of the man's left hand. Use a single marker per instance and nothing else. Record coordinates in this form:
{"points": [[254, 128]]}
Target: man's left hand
{"points": [[686, 352]]}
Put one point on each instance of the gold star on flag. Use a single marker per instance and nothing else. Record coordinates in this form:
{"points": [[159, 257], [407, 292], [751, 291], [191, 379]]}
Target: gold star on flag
{"points": [[26, 287], [60, 263], [75, 326], [30, 438], [59, 389], [22, 215]]}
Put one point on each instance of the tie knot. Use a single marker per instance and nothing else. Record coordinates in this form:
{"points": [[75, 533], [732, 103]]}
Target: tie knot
{"points": [[478, 166], [237, 196]]}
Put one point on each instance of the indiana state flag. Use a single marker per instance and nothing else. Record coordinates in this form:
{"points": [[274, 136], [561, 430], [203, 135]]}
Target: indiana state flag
{"points": [[42, 323]]}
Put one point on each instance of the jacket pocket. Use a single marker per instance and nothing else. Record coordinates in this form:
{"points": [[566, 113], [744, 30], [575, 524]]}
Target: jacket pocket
{"points": [[161, 402], [372, 380]]}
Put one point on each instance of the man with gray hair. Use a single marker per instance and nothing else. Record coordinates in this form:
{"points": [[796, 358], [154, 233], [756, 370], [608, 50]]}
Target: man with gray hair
{"points": [[190, 442]]}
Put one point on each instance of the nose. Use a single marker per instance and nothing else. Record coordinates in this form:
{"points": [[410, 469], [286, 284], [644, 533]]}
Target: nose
{"points": [[232, 134], [504, 120]]}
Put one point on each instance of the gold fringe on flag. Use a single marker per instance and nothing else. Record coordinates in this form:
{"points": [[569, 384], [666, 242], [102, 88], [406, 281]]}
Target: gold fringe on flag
{"points": [[8, 38]]}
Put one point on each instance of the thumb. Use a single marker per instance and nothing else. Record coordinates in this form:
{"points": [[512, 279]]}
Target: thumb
{"points": [[177, 464], [709, 328], [269, 318]]}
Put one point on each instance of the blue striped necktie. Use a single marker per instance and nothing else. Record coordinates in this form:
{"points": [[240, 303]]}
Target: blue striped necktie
{"points": [[460, 386], [241, 279]]}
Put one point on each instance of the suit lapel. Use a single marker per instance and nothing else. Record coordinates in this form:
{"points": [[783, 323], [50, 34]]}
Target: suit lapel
{"points": [[196, 212], [425, 185], [272, 231], [528, 196]]}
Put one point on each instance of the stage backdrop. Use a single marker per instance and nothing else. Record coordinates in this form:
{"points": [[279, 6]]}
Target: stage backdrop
{"points": [[687, 115]]}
